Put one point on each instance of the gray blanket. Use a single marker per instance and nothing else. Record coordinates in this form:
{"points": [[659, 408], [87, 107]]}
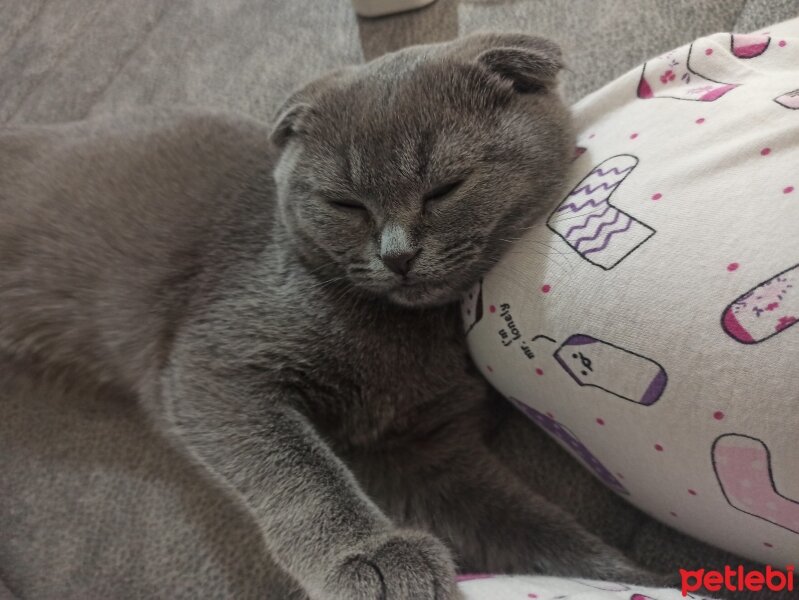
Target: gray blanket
{"points": [[93, 504]]}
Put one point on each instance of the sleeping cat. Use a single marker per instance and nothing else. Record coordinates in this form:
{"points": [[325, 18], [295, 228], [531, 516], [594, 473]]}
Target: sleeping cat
{"points": [[282, 302]]}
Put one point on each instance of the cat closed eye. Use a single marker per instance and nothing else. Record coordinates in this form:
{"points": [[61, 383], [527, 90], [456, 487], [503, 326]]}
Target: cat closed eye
{"points": [[442, 191], [347, 205]]}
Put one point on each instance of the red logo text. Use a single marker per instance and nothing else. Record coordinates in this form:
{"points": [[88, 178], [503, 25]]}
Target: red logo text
{"points": [[737, 580]]}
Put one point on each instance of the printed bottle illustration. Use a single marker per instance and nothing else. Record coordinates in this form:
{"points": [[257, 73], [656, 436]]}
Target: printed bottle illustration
{"points": [[587, 221], [567, 439], [594, 363], [789, 100], [764, 311], [748, 45], [672, 76], [743, 469]]}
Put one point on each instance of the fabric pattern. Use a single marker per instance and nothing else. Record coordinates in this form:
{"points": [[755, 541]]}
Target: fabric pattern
{"points": [[494, 587], [648, 323]]}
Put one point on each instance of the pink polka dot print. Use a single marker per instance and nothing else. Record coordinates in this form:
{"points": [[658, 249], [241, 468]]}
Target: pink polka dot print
{"points": [[600, 421], [709, 51], [700, 120], [765, 151], [657, 196], [492, 309], [539, 372], [546, 288], [733, 267], [787, 190], [718, 415], [633, 136], [782, 43], [658, 447]]}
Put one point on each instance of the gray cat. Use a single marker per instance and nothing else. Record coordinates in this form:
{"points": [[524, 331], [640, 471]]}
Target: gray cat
{"points": [[282, 301]]}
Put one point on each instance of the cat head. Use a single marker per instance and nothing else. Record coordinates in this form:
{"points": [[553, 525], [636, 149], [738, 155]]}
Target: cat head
{"points": [[410, 175]]}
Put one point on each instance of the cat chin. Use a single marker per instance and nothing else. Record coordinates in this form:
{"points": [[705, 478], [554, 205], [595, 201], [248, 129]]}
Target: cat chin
{"points": [[421, 296]]}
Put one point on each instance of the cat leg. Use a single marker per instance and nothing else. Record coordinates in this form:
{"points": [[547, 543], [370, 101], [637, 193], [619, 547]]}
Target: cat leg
{"points": [[316, 521], [451, 485], [514, 530]]}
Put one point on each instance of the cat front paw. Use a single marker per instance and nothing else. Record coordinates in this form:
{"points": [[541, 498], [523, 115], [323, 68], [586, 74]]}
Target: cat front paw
{"points": [[401, 565]]}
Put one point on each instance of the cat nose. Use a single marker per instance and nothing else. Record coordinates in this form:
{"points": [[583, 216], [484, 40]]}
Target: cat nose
{"points": [[397, 249], [400, 262]]}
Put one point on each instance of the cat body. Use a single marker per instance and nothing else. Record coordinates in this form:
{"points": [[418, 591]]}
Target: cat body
{"points": [[281, 300]]}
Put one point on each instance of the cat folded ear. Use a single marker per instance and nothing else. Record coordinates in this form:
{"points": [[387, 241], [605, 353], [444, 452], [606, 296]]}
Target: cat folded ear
{"points": [[528, 71], [529, 62], [298, 108], [289, 120]]}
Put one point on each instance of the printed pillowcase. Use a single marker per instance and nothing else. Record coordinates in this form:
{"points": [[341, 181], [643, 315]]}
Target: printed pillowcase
{"points": [[649, 323], [524, 587]]}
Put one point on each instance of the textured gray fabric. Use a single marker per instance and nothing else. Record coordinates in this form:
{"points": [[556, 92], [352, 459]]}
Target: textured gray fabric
{"points": [[92, 503], [64, 59], [5, 593], [604, 38], [601, 38], [96, 505], [757, 14]]}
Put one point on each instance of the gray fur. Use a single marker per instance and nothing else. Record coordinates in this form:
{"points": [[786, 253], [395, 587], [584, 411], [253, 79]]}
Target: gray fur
{"points": [[196, 259]]}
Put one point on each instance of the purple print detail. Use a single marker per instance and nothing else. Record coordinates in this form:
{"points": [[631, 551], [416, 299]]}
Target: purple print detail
{"points": [[609, 235], [655, 389], [568, 440], [580, 340], [588, 222], [628, 375]]}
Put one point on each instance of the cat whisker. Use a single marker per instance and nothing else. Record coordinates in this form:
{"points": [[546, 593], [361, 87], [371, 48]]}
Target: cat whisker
{"points": [[555, 250], [580, 216], [322, 267], [327, 282]]}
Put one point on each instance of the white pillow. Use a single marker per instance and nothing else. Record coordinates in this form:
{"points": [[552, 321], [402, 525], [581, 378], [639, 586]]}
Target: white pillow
{"points": [[525, 587], [648, 322]]}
